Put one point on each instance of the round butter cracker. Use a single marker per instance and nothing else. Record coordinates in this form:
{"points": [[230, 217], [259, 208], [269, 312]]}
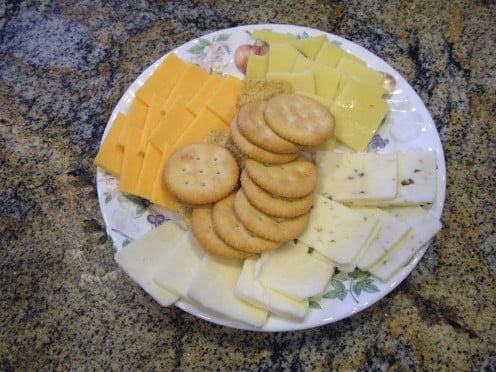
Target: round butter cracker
{"points": [[233, 232], [299, 119], [273, 205], [268, 227], [289, 180], [201, 173], [202, 227]]}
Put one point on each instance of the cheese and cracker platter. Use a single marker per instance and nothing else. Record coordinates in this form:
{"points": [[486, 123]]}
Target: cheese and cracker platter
{"points": [[270, 178]]}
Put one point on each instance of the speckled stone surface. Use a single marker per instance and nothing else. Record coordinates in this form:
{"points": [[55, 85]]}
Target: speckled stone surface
{"points": [[64, 304]]}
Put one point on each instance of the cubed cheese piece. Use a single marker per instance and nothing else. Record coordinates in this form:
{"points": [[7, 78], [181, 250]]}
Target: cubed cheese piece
{"points": [[330, 53], [162, 79], [391, 230], [110, 154], [358, 114], [213, 287], [282, 57], [272, 36], [326, 78], [175, 272], [257, 66], [360, 71], [309, 47], [223, 101], [356, 176], [141, 258], [423, 228], [300, 81], [336, 231], [249, 288], [294, 271]]}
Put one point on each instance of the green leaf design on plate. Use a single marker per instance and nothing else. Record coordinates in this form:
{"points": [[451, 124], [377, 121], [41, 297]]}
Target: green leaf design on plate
{"points": [[314, 304], [108, 197], [199, 47], [141, 204], [359, 282], [223, 37], [126, 242]]}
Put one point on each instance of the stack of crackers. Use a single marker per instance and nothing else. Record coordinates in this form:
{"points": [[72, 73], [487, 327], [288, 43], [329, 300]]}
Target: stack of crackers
{"points": [[240, 208]]}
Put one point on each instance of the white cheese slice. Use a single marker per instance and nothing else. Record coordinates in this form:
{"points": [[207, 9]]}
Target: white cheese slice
{"points": [[178, 267], [213, 287], [293, 271], [423, 228], [249, 288], [141, 258], [355, 176], [416, 181], [336, 231], [391, 230]]}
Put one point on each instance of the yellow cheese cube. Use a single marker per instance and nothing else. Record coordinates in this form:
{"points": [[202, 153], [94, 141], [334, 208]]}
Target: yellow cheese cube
{"points": [[360, 72], [302, 81], [358, 114], [272, 36], [326, 78], [257, 66], [310, 46], [109, 156], [282, 57]]}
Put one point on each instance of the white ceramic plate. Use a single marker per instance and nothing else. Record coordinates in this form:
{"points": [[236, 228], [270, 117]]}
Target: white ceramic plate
{"points": [[408, 127]]}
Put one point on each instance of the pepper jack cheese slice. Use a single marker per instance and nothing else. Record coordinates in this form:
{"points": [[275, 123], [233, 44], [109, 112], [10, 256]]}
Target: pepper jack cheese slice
{"points": [[213, 287], [358, 114], [250, 289], [423, 228], [392, 229], [336, 231], [141, 258], [356, 176]]}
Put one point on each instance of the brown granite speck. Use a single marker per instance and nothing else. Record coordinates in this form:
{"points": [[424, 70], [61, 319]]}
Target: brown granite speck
{"points": [[65, 305]]}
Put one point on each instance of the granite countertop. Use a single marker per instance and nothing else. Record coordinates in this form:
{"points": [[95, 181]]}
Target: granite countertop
{"points": [[65, 305]]}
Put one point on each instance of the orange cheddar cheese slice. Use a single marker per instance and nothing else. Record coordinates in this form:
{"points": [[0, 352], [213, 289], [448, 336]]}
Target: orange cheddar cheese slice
{"points": [[172, 124], [131, 162], [191, 79], [161, 194], [162, 78], [209, 87], [200, 127], [223, 102], [149, 171], [136, 116], [109, 156], [153, 117]]}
